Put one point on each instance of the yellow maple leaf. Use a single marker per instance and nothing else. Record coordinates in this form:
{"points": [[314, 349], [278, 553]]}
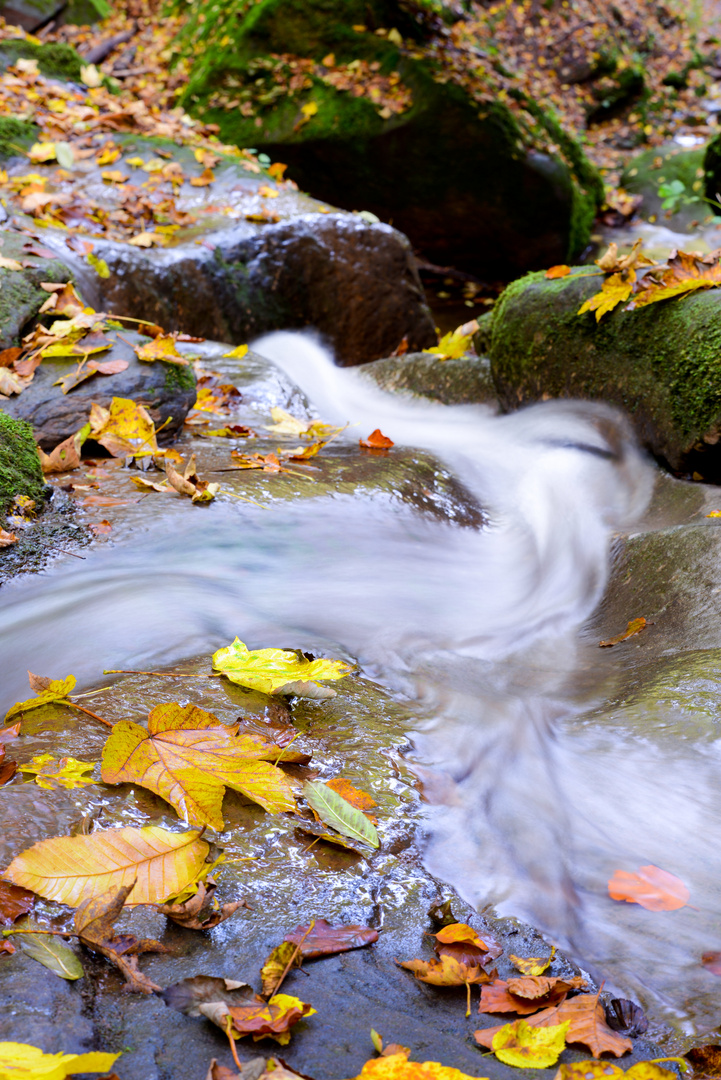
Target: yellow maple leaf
{"points": [[525, 1047], [398, 1067], [124, 429], [163, 348], [453, 345], [614, 291], [46, 690], [277, 671], [68, 772], [28, 1062], [188, 757]]}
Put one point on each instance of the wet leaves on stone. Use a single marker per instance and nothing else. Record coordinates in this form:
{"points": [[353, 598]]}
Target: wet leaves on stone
{"points": [[334, 810], [278, 671], [14, 902], [651, 887], [684, 272], [586, 1018], [202, 911], [526, 995], [327, 940], [606, 1070], [50, 772], [125, 429], [46, 690], [634, 627], [188, 757], [533, 965], [398, 1067], [64, 458], [233, 1007], [95, 922], [525, 1047], [161, 347], [615, 290], [29, 1062], [446, 971], [376, 441]]}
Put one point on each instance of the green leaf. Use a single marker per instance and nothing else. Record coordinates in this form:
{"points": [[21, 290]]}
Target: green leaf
{"points": [[52, 953], [337, 812]]}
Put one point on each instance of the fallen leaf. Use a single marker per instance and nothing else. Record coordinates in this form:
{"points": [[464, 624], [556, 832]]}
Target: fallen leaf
{"points": [[46, 690], [326, 940], [95, 921], [146, 239], [290, 426], [712, 962], [335, 811], [533, 965], [634, 627], [41, 152], [64, 458], [376, 441], [100, 266], [230, 431], [277, 671], [614, 291], [30, 1063], [14, 902], [452, 346], [705, 1060], [221, 1000], [321, 832], [684, 272], [188, 995], [9, 264], [397, 1067], [446, 971], [559, 271], [587, 1019], [106, 500], [626, 1016], [188, 757], [354, 796], [237, 353], [606, 1070], [7, 948], [190, 484], [50, 951], [653, 889], [611, 263], [463, 943], [65, 773], [282, 958], [526, 995], [125, 429], [200, 911], [9, 356], [162, 347], [71, 869], [7, 538], [206, 178], [525, 1047], [10, 732], [100, 527]]}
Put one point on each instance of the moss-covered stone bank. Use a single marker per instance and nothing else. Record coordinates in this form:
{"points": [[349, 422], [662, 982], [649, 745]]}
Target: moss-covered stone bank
{"points": [[20, 472], [661, 363], [20, 294], [56, 60], [340, 93]]}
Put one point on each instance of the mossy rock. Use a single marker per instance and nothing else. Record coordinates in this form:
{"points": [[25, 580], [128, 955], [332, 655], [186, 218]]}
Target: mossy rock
{"points": [[461, 180], [664, 165], [30, 14], [661, 363], [85, 12], [20, 294], [20, 472], [16, 136], [465, 381], [56, 59]]}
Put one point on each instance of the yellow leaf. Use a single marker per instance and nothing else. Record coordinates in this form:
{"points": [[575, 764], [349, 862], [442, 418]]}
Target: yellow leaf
{"points": [[206, 178], [68, 772], [90, 75], [161, 347], [398, 1067], [28, 67], [237, 353], [614, 291], [533, 965], [9, 264], [99, 265], [124, 429], [268, 192], [42, 151], [147, 239], [71, 869], [275, 671], [309, 109], [136, 162], [29, 1063], [47, 691], [108, 155], [453, 345], [446, 971], [291, 426], [526, 1047], [188, 757], [113, 176], [605, 1070]]}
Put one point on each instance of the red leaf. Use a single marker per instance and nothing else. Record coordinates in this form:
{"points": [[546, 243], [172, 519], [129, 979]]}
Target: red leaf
{"points": [[324, 939], [376, 441]]}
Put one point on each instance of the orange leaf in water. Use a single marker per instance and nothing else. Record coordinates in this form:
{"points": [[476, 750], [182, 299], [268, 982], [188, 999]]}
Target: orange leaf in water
{"points": [[558, 272], [634, 627], [653, 889], [685, 272], [376, 441], [356, 798]]}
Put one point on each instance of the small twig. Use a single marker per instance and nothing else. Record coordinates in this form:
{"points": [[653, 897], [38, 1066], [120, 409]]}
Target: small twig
{"points": [[280, 755], [231, 1040], [55, 933], [163, 674], [81, 708], [64, 552], [290, 963], [468, 1000]]}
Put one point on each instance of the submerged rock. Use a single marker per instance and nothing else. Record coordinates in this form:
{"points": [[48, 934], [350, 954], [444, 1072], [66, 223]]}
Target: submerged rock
{"points": [[659, 363], [364, 121]]}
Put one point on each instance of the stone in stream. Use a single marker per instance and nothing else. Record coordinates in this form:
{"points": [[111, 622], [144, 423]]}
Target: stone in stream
{"points": [[369, 123], [663, 165], [463, 381], [659, 363]]}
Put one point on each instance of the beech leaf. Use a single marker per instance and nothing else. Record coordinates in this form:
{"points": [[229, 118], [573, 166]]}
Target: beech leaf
{"points": [[335, 811], [276, 671], [325, 940]]}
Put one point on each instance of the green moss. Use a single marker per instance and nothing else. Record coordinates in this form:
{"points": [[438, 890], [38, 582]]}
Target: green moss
{"points": [[20, 472], [20, 292], [56, 60], [86, 12], [661, 363], [15, 136], [178, 377]]}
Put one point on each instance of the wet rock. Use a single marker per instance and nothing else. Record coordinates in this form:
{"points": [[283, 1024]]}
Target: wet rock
{"points": [[20, 294], [453, 382], [166, 390], [659, 363], [662, 165], [20, 472], [500, 206]]}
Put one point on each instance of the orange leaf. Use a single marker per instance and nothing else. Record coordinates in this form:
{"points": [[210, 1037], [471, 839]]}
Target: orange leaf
{"points": [[653, 889], [587, 1026], [558, 272], [376, 441], [359, 799], [684, 272], [634, 627], [446, 971], [525, 995]]}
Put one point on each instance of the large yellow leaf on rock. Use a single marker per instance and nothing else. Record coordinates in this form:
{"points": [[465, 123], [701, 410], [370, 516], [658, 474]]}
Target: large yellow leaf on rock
{"points": [[125, 429], [188, 757], [71, 869], [29, 1063], [397, 1067], [277, 671], [526, 1047], [614, 291]]}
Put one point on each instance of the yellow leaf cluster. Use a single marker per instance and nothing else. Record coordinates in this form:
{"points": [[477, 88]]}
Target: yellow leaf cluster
{"points": [[125, 429], [68, 772], [398, 1067]]}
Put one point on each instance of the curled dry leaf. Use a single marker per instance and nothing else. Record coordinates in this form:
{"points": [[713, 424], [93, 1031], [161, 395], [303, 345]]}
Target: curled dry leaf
{"points": [[278, 671], [201, 911], [611, 263], [125, 429], [626, 1016], [64, 458], [652, 888], [71, 869], [7, 538], [188, 757], [634, 627], [452, 346], [326, 940], [526, 995], [684, 272], [95, 925]]}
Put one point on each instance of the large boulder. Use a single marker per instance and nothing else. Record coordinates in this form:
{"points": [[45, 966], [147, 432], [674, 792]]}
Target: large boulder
{"points": [[463, 381], [364, 121], [659, 363], [20, 472], [30, 14]]}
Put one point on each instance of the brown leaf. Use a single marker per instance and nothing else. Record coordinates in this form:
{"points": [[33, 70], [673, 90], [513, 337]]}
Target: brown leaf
{"points": [[14, 902], [10, 732], [95, 925], [326, 940], [7, 771], [463, 943], [7, 947], [64, 458], [712, 962], [525, 995], [652, 888], [7, 538], [9, 356], [705, 1060], [100, 527], [201, 911], [634, 627], [188, 995], [685, 271], [610, 262], [446, 971], [588, 1026], [376, 441]]}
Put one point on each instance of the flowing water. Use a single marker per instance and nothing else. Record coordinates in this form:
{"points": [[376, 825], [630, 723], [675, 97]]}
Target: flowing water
{"points": [[470, 617]]}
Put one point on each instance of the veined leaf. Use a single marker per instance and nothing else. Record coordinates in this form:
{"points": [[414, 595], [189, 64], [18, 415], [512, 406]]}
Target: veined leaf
{"points": [[337, 812], [29, 1063], [398, 1067], [614, 291], [68, 772], [52, 953], [71, 869], [652, 888], [277, 671], [188, 757], [47, 691], [161, 347], [526, 1047]]}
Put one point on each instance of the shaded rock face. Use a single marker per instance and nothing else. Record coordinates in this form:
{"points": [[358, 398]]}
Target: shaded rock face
{"points": [[30, 14], [354, 282], [20, 294], [20, 472], [166, 390], [659, 363], [494, 208], [453, 382]]}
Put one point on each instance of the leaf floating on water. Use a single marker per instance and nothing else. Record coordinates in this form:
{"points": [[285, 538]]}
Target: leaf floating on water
{"points": [[278, 671], [533, 965], [47, 691], [188, 757], [634, 627], [712, 962], [376, 441], [50, 951], [68, 772], [327, 940], [652, 888], [525, 1047], [335, 811], [24, 1061], [70, 869], [360, 799]]}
